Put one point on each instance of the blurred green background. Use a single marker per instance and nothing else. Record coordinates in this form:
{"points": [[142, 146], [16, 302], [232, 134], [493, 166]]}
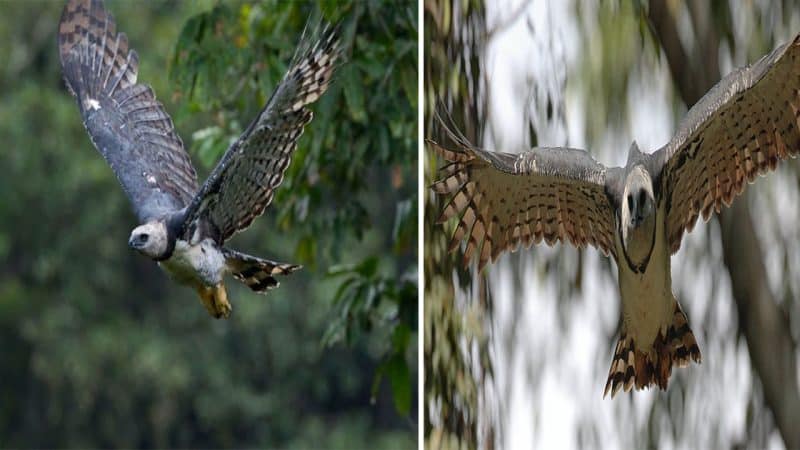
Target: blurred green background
{"points": [[100, 349]]}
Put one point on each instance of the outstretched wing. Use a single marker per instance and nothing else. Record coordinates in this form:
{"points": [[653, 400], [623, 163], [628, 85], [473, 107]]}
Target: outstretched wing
{"points": [[741, 128], [124, 120], [244, 181], [503, 200]]}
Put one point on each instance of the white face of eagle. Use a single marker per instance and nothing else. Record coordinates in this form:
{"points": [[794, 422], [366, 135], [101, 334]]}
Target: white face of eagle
{"points": [[150, 239], [638, 216]]}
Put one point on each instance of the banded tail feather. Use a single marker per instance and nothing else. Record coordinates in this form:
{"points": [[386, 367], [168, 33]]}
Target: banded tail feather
{"points": [[257, 273], [674, 345]]}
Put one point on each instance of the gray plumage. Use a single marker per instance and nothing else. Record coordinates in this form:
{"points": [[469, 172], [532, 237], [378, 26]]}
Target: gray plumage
{"points": [[183, 226], [125, 121], [243, 183]]}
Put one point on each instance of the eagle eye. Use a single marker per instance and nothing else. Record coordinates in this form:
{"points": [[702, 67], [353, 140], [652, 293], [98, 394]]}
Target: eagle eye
{"points": [[144, 237], [630, 202]]}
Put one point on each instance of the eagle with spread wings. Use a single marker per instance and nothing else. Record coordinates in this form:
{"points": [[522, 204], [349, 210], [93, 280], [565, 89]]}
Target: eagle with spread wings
{"points": [[743, 127], [183, 225]]}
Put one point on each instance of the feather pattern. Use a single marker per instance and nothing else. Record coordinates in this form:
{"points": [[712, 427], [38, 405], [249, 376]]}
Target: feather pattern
{"points": [[257, 273], [675, 345], [125, 121], [741, 128], [243, 183], [506, 200]]}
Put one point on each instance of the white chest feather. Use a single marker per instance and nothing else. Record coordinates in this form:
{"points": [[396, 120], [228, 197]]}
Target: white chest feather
{"points": [[647, 300], [201, 263]]}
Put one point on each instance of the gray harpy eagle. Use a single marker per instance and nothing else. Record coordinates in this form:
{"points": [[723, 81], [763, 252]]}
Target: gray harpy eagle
{"points": [[184, 226], [637, 214]]}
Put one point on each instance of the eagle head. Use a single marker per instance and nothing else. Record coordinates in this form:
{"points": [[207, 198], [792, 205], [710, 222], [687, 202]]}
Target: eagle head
{"points": [[150, 239], [638, 217]]}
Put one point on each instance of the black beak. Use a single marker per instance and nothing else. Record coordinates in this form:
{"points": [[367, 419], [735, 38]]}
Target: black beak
{"points": [[138, 241]]}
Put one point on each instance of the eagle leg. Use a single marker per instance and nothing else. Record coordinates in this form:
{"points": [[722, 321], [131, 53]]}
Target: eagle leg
{"points": [[221, 301], [215, 299]]}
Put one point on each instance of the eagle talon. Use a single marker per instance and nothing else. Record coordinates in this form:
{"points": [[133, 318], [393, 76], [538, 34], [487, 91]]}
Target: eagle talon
{"points": [[215, 299], [206, 297], [223, 306]]}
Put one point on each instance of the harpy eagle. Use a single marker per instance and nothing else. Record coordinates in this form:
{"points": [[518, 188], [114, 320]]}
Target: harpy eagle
{"points": [[184, 226], [637, 214]]}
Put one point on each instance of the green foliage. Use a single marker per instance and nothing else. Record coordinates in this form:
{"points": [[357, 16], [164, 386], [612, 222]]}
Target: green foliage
{"points": [[366, 300], [101, 350], [227, 62]]}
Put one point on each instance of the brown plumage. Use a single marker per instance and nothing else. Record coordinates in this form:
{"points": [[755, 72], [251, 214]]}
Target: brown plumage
{"points": [[504, 200], [743, 127], [675, 345], [740, 129]]}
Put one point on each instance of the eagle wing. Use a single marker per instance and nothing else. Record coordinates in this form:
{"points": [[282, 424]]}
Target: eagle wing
{"points": [[741, 128], [125, 121], [243, 183], [503, 199]]}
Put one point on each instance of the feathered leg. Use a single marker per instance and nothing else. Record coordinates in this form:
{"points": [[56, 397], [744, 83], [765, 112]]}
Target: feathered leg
{"points": [[215, 299]]}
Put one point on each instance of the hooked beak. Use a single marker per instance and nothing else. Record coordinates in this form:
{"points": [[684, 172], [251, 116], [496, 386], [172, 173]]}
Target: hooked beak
{"points": [[137, 242]]}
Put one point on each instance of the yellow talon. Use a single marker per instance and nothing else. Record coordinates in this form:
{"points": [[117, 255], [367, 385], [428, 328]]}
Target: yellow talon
{"points": [[221, 301], [215, 299]]}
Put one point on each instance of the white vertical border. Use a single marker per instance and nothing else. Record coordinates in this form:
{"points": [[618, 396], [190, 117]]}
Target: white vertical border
{"points": [[420, 240]]}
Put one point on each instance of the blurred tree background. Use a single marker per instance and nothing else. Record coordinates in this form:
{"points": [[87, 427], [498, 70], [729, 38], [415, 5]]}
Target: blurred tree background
{"points": [[100, 349], [517, 356]]}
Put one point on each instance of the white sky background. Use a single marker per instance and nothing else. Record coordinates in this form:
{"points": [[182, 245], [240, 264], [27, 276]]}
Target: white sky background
{"points": [[549, 379]]}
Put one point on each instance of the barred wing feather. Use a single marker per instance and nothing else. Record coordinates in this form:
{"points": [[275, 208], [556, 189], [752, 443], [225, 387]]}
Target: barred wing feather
{"points": [[243, 183], [505, 200], [124, 120]]}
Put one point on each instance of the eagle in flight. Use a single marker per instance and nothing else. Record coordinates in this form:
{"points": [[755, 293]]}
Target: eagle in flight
{"points": [[636, 214], [184, 226]]}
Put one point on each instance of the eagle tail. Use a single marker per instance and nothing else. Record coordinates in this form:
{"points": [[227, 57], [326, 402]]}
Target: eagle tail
{"points": [[257, 273], [674, 345], [95, 58]]}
